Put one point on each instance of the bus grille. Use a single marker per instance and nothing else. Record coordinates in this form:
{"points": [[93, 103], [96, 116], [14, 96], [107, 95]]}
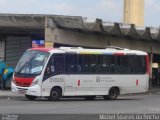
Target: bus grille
{"points": [[22, 90], [22, 84]]}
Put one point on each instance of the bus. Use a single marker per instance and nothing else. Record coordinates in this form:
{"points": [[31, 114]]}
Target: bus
{"points": [[80, 72]]}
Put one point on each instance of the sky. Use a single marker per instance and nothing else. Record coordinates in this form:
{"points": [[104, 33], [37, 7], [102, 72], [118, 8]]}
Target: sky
{"points": [[107, 10]]}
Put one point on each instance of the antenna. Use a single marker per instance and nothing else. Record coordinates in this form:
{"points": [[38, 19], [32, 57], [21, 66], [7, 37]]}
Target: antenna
{"points": [[114, 47], [67, 48]]}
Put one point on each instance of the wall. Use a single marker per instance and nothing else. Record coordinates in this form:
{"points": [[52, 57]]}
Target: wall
{"points": [[2, 48], [98, 40], [15, 47], [78, 38]]}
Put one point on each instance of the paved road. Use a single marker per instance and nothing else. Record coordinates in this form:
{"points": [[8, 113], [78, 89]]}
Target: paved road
{"points": [[143, 103]]}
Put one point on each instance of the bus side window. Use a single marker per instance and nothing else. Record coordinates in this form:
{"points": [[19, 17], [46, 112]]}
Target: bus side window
{"points": [[71, 63], [55, 66], [59, 64], [141, 66], [49, 71], [79, 69], [112, 64]]}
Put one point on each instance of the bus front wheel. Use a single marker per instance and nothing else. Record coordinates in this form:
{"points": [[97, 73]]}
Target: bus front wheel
{"points": [[55, 94], [113, 94], [30, 97]]}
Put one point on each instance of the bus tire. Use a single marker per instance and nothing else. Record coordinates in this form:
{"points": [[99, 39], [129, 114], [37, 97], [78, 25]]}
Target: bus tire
{"points": [[113, 94], [90, 97], [30, 97], [55, 94]]}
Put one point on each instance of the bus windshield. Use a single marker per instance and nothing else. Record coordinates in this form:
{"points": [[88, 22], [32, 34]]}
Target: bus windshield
{"points": [[31, 62]]}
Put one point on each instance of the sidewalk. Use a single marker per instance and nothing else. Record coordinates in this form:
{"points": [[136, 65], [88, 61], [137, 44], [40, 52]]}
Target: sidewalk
{"points": [[154, 90], [7, 94]]}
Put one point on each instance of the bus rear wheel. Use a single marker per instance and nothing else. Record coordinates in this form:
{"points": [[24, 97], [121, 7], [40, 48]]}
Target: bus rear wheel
{"points": [[113, 94], [55, 94], [30, 97]]}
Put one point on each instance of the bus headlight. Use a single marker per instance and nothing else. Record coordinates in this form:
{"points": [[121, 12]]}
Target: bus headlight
{"points": [[34, 82]]}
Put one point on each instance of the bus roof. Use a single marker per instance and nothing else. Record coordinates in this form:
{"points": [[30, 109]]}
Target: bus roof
{"points": [[42, 49], [79, 50]]}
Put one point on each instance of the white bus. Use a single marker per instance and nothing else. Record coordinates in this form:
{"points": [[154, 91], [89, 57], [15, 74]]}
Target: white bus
{"points": [[78, 72]]}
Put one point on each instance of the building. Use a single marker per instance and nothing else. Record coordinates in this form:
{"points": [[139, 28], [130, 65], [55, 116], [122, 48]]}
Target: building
{"points": [[20, 32], [134, 12]]}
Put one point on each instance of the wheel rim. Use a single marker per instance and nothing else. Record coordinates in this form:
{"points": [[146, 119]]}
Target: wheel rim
{"points": [[54, 94]]}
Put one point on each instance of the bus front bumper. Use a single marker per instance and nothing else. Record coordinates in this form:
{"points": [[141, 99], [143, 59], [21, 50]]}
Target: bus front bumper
{"points": [[32, 90]]}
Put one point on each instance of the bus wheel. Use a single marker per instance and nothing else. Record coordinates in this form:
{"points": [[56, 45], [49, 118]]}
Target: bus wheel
{"points": [[55, 94], [30, 97], [90, 97], [113, 94]]}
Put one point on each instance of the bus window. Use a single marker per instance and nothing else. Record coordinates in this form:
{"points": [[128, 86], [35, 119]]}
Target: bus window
{"points": [[132, 62], [112, 64], [141, 65], [103, 63], [55, 66], [71, 64], [93, 62], [59, 64], [50, 69], [31, 63], [88, 63], [124, 65]]}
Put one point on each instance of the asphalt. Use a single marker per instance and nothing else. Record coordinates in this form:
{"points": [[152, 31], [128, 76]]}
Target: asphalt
{"points": [[7, 94]]}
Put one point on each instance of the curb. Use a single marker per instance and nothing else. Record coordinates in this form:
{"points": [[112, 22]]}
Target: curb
{"points": [[10, 97], [144, 93]]}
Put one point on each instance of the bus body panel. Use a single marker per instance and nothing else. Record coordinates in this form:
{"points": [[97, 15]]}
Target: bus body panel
{"points": [[33, 90], [89, 85], [51, 82], [95, 84]]}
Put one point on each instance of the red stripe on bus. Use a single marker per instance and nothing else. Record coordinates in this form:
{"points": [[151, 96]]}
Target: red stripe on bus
{"points": [[119, 54], [147, 64], [78, 82], [42, 49], [136, 82]]}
